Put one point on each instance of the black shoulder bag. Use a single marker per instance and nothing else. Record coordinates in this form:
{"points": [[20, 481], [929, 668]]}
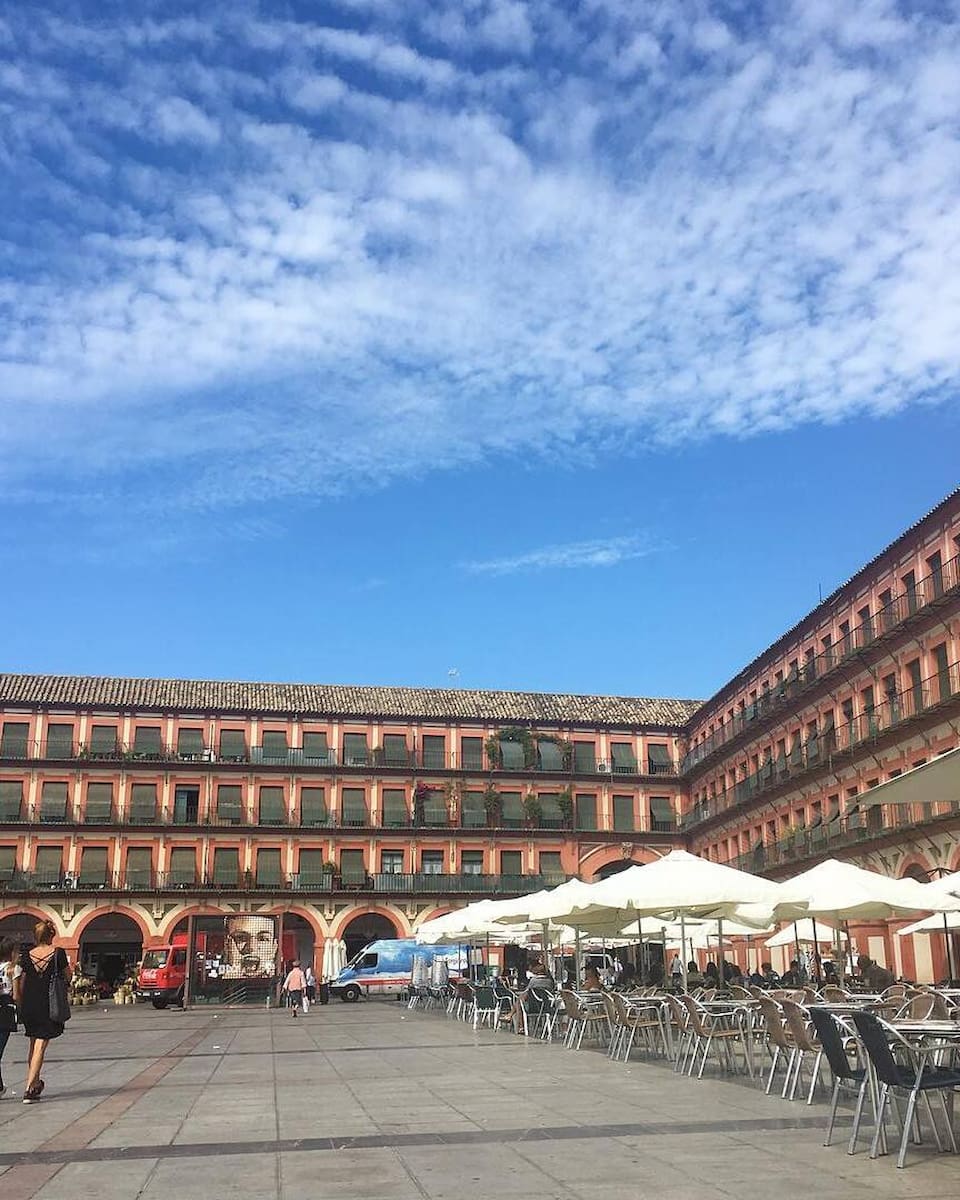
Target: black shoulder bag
{"points": [[59, 1004]]}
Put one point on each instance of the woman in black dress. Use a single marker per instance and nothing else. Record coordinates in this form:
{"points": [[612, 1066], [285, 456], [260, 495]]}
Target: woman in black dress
{"points": [[32, 994]]}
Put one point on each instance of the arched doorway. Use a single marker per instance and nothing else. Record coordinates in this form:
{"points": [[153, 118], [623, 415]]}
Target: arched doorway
{"points": [[614, 868], [298, 939], [18, 926], [364, 928], [110, 948]]}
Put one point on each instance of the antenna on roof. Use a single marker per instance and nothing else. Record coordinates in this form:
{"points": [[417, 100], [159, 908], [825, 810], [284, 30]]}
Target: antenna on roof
{"points": [[453, 675]]}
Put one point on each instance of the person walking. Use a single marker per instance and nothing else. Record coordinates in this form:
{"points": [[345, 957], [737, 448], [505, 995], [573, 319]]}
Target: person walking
{"points": [[38, 967], [8, 1010], [295, 985], [310, 993]]}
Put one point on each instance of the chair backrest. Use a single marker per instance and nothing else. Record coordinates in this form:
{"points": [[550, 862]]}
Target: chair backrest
{"points": [[810, 996], [873, 1034], [828, 1031], [796, 1019], [610, 1007], [696, 1015], [773, 1022], [756, 992], [894, 992], [485, 997], [918, 1008], [833, 994], [739, 993], [533, 1002], [571, 1005], [677, 1011]]}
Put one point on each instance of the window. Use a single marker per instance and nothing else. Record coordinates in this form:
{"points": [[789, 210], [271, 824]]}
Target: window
{"points": [[313, 807], [268, 868], [434, 751], [229, 804], [226, 866], [183, 866], [550, 756], [511, 810], [585, 757], [49, 864], [391, 862], [910, 591], [551, 817], [311, 868], [53, 803], [103, 741], [866, 625], [511, 755], [395, 752], [139, 868], [431, 862], [395, 812], [273, 807], [471, 753], [190, 744], [586, 812], [435, 808], [273, 747], [186, 805], [658, 756], [867, 704], [472, 812], [888, 615], [891, 697], [471, 862], [935, 571], [8, 863], [146, 742], [623, 819], [355, 752], [99, 806], [353, 805], [13, 740], [93, 867], [662, 819], [511, 862], [352, 869], [846, 645], [916, 686], [944, 686], [315, 749], [59, 741], [624, 759], [143, 803], [233, 745], [550, 864]]}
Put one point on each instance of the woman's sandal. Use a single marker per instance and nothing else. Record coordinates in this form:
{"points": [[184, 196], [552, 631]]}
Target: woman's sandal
{"points": [[32, 1095]]}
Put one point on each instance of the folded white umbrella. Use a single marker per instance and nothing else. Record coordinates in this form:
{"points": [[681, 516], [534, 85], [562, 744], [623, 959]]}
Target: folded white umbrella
{"points": [[938, 923], [842, 891]]}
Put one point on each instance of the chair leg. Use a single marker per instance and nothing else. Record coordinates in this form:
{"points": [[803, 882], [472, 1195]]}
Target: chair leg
{"points": [[857, 1116], [835, 1099], [773, 1066], [881, 1113], [815, 1075], [907, 1125]]}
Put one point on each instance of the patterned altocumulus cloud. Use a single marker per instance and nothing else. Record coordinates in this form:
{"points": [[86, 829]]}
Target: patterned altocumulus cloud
{"points": [[337, 244]]}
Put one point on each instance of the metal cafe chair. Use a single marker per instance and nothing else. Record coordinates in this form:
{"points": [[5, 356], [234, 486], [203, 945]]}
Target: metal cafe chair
{"points": [[844, 1075], [917, 1079]]}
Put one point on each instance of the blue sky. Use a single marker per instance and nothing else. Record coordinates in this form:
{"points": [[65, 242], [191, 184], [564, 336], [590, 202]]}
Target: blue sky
{"points": [[570, 346]]}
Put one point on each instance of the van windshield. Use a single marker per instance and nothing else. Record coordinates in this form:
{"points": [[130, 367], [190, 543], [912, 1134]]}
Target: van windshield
{"points": [[154, 959]]}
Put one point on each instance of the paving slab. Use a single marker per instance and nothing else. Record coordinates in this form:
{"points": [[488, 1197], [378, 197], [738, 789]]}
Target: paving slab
{"points": [[369, 1100]]}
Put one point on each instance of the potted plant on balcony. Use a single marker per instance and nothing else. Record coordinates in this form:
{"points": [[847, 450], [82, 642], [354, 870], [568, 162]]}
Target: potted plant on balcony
{"points": [[492, 804], [421, 794], [451, 792], [565, 804], [492, 747], [532, 809]]}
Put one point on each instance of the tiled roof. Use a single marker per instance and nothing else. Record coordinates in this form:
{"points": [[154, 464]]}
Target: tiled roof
{"points": [[316, 699]]}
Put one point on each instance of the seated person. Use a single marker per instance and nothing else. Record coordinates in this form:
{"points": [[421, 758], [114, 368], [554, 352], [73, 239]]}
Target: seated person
{"points": [[694, 977], [796, 976], [712, 974], [766, 977], [877, 978], [591, 980], [830, 974], [539, 975]]}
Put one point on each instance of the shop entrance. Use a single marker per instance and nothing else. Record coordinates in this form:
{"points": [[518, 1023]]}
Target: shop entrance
{"points": [[110, 948]]}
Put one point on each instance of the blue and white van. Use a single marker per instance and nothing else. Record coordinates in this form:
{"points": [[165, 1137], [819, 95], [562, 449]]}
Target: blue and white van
{"points": [[385, 967]]}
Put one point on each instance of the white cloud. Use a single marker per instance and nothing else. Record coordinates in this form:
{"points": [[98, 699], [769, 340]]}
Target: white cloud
{"points": [[600, 552], [350, 255]]}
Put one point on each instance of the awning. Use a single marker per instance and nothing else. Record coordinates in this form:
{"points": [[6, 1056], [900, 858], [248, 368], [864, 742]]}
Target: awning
{"points": [[511, 754], [550, 758], [935, 782]]}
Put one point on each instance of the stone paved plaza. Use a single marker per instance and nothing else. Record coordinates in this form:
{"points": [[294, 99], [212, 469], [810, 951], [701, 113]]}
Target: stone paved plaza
{"points": [[369, 1100]]}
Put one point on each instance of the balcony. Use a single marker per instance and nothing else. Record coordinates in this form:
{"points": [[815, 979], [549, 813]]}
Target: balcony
{"points": [[931, 590], [124, 755], [418, 884], [833, 747]]}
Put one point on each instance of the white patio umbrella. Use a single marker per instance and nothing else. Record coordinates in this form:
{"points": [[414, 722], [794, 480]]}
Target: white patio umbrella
{"points": [[677, 886], [935, 924]]}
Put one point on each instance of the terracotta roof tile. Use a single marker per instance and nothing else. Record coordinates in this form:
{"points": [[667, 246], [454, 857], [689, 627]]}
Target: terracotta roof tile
{"points": [[314, 699]]}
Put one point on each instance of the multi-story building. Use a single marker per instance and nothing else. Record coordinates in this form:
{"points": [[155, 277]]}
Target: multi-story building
{"points": [[126, 805]]}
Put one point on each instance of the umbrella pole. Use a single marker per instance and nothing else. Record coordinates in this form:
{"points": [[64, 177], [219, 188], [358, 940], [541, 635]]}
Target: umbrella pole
{"points": [[683, 950], [640, 949], [816, 951], [720, 964], [796, 941], [946, 934], [846, 950], [576, 958]]}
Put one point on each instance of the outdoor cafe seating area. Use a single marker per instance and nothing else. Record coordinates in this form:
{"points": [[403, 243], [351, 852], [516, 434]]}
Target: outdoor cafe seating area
{"points": [[887, 1060]]}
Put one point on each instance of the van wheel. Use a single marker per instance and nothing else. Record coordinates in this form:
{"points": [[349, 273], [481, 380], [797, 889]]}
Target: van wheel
{"points": [[160, 1003], [351, 994]]}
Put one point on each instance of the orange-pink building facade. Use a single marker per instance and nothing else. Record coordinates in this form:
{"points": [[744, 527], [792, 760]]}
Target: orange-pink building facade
{"points": [[126, 805]]}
